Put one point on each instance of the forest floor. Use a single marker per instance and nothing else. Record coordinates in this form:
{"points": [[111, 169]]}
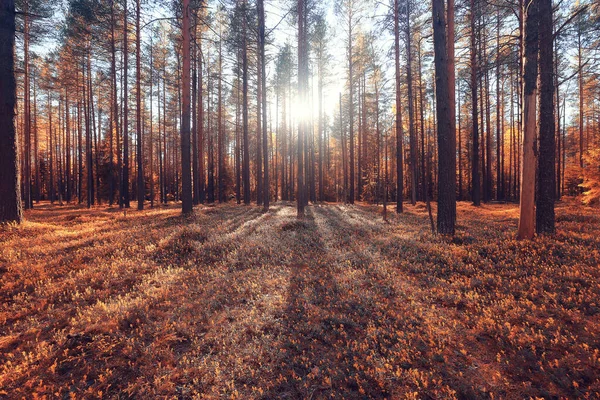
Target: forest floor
{"points": [[234, 303]]}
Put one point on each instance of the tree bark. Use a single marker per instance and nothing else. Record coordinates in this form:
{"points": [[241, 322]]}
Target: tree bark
{"points": [[546, 188], [446, 217], [141, 192], [125, 173], [246, 157], [411, 108], [186, 172], [263, 78], [351, 108], [10, 189], [399, 133], [530, 73], [450, 38], [28, 200], [302, 86], [475, 180]]}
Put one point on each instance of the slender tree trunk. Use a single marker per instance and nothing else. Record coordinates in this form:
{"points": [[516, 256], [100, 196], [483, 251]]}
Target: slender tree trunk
{"points": [[476, 188], [488, 128], [125, 173], [220, 131], [50, 156], [399, 133], [558, 141], [246, 158], [51, 149], [258, 164], [141, 192], [344, 156], [210, 142], [201, 172], [446, 217], [581, 91], [263, 78], [238, 163], [68, 146], [450, 38], [351, 108], [460, 150], [151, 139], [411, 112], [79, 149], [499, 100], [97, 133], [28, 200], [195, 174], [422, 101], [115, 107], [302, 86], [546, 187], [186, 172], [88, 137], [530, 72], [36, 162]]}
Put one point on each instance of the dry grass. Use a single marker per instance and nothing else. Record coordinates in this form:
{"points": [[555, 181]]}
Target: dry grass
{"points": [[233, 303]]}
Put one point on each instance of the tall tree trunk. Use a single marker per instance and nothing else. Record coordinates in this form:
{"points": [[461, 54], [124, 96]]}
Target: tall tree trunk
{"points": [[151, 139], [263, 78], [115, 107], [558, 141], [399, 134], [351, 108], [79, 149], [450, 38], [186, 172], [238, 163], [141, 192], [411, 109], [201, 173], [220, 131], [344, 155], [581, 92], [422, 101], [546, 188], [488, 127], [476, 188], [499, 100], [446, 217], [246, 158], [460, 150], [97, 133], [68, 145], [258, 164], [321, 126], [195, 174], [88, 136], [210, 142], [530, 73], [302, 86], [125, 173], [36, 163], [28, 199]]}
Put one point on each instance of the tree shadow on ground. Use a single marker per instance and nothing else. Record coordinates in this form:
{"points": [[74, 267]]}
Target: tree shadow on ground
{"points": [[321, 326]]}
